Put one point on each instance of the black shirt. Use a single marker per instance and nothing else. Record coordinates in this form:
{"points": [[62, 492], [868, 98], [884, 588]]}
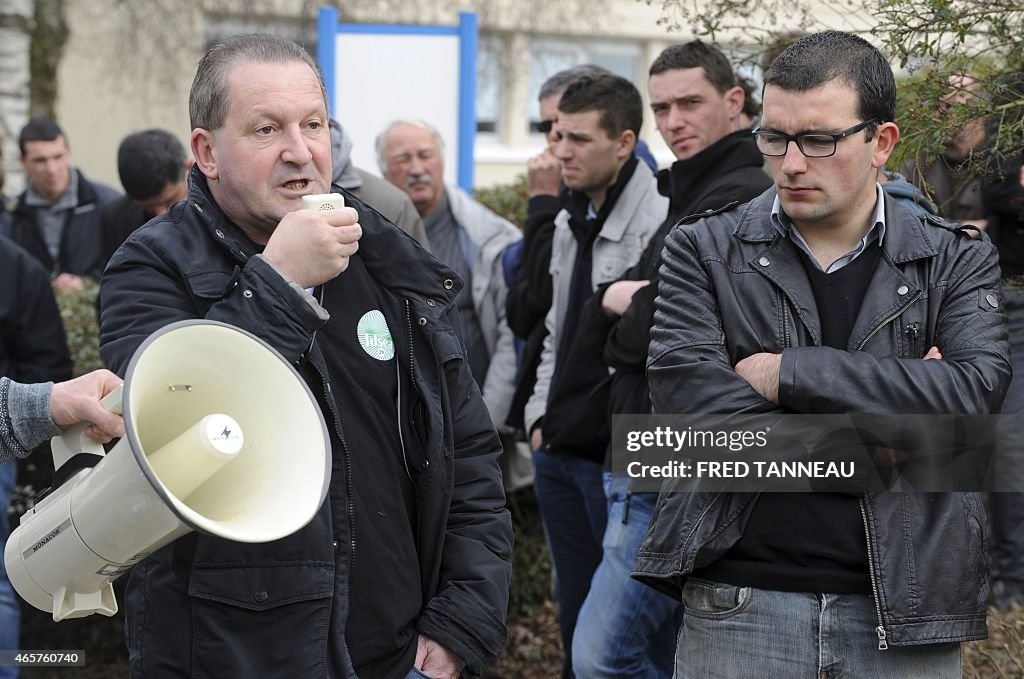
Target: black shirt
{"points": [[386, 596], [809, 542]]}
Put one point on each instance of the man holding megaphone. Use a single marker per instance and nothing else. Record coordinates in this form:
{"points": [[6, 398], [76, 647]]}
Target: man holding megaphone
{"points": [[404, 570]]}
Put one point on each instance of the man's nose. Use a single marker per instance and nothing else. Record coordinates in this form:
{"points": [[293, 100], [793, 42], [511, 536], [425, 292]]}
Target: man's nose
{"points": [[794, 161], [552, 137], [296, 146], [562, 150], [676, 118], [416, 166]]}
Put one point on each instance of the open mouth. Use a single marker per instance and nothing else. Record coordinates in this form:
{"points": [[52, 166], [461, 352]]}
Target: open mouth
{"points": [[296, 184]]}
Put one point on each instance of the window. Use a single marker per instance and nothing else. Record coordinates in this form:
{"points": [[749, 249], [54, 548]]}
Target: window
{"points": [[549, 56], [488, 83]]}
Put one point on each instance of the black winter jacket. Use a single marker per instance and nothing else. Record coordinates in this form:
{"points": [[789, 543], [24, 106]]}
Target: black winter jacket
{"points": [[1003, 198], [529, 299], [32, 343], [732, 286], [214, 608], [729, 170], [81, 247]]}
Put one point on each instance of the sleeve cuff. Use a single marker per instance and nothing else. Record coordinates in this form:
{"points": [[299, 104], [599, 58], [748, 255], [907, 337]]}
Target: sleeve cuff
{"points": [[29, 409], [264, 266]]}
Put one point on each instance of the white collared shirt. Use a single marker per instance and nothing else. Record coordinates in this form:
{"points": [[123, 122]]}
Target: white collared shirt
{"points": [[784, 225]]}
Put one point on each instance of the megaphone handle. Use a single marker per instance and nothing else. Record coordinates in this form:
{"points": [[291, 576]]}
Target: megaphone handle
{"points": [[74, 441], [113, 400]]}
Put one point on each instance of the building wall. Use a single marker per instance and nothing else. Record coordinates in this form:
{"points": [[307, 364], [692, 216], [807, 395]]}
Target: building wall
{"points": [[129, 65], [116, 79]]}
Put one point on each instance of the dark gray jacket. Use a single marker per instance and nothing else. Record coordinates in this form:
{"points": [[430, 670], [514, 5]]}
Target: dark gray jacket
{"points": [[213, 608], [81, 245], [732, 286]]}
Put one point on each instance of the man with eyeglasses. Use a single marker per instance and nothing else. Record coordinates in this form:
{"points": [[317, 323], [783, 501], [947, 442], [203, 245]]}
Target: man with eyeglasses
{"points": [[823, 295]]}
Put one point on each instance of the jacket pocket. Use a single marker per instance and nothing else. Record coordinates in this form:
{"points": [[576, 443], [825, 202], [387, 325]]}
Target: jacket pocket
{"points": [[209, 286], [262, 621], [613, 258]]}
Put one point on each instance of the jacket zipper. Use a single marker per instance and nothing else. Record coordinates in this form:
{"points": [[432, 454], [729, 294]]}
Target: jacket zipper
{"points": [[329, 399], [887, 321], [883, 644], [398, 417], [785, 322], [348, 469], [913, 332], [412, 375]]}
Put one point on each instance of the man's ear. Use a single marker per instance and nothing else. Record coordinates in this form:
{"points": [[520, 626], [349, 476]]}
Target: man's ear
{"points": [[204, 151], [626, 144], [886, 136], [734, 99]]}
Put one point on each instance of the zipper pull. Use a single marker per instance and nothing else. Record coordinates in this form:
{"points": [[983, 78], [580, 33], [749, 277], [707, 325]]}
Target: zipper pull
{"points": [[912, 330], [882, 643]]}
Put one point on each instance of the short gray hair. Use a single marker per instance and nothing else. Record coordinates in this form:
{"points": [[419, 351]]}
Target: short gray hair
{"points": [[382, 162], [208, 99], [557, 83]]}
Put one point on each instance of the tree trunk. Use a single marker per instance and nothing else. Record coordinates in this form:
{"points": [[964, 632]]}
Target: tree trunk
{"points": [[15, 42]]}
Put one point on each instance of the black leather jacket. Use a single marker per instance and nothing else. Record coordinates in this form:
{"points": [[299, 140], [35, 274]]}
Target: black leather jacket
{"points": [[214, 608], [732, 286]]}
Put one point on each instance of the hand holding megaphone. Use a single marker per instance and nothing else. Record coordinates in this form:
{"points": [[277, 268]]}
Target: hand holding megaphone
{"points": [[79, 400], [89, 411]]}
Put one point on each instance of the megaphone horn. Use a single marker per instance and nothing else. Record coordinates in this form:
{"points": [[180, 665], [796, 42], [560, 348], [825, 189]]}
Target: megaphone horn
{"points": [[222, 436]]}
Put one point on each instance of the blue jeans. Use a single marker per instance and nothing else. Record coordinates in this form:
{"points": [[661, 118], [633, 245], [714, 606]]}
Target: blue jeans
{"points": [[732, 632], [625, 628], [573, 508], [1007, 508], [10, 608]]}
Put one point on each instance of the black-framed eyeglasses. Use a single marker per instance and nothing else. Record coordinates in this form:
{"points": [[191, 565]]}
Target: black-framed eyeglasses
{"points": [[544, 126], [811, 144]]}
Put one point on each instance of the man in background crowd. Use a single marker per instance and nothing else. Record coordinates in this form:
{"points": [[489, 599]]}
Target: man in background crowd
{"points": [[57, 216], [152, 165], [470, 238], [611, 211], [702, 112]]}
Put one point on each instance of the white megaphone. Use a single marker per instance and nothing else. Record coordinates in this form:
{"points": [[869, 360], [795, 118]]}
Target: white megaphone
{"points": [[222, 437]]}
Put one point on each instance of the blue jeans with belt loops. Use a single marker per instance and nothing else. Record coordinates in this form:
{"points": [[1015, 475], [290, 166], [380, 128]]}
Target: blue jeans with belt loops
{"points": [[732, 632]]}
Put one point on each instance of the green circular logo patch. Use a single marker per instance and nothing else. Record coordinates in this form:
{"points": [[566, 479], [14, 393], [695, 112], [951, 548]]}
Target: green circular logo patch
{"points": [[374, 336]]}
